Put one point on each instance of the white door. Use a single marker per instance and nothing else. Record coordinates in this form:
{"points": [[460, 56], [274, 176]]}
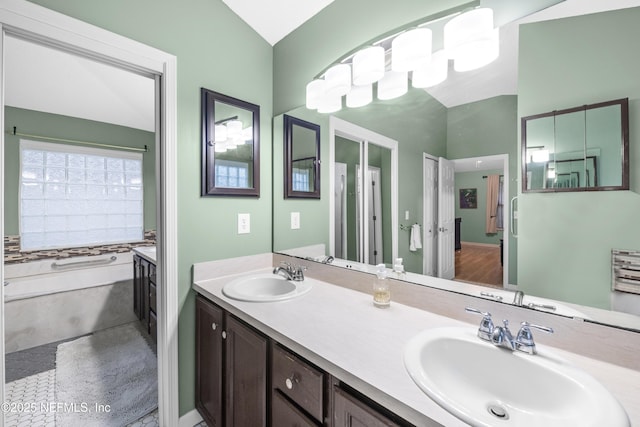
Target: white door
{"points": [[430, 221], [340, 198], [446, 219]]}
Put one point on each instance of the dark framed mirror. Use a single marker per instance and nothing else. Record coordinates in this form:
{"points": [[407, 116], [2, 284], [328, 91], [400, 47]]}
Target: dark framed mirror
{"points": [[584, 148], [230, 146], [301, 158]]}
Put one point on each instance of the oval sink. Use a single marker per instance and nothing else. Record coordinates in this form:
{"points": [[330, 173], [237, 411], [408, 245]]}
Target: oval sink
{"points": [[485, 385], [264, 288]]}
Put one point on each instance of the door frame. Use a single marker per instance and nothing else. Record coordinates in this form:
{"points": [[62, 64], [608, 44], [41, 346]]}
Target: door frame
{"points": [[504, 159], [342, 128], [33, 22]]}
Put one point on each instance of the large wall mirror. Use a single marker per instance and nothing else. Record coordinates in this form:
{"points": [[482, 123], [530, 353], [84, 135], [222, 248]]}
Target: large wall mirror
{"points": [[301, 158], [230, 146], [577, 149], [561, 257]]}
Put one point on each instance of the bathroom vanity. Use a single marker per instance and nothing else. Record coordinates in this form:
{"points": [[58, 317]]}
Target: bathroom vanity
{"points": [[329, 357], [144, 288]]}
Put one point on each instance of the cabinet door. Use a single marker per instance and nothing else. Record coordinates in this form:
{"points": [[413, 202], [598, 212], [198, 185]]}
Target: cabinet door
{"points": [[351, 412], [246, 376], [137, 286], [209, 324], [284, 414]]}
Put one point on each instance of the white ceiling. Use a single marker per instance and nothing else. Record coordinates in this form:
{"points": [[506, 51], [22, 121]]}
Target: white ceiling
{"points": [[274, 19]]}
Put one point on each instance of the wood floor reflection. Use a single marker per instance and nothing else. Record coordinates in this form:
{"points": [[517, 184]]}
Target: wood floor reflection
{"points": [[479, 264]]}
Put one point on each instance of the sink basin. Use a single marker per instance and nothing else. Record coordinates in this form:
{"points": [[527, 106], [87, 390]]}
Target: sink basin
{"points": [[485, 385], [265, 287]]}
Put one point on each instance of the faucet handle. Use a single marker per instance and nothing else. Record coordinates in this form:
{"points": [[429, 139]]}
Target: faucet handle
{"points": [[524, 339], [485, 330]]}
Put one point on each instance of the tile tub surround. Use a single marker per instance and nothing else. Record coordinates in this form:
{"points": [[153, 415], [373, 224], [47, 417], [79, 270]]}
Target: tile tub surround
{"points": [[336, 335], [13, 255]]}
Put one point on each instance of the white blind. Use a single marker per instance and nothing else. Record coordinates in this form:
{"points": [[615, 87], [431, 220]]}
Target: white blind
{"points": [[78, 196]]}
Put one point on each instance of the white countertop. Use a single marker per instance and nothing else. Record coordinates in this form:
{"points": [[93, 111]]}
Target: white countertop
{"points": [[341, 331], [146, 252]]}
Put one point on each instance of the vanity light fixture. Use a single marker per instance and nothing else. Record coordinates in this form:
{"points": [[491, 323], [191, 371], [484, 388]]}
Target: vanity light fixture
{"points": [[368, 65], [470, 40], [360, 96], [433, 74], [411, 50]]}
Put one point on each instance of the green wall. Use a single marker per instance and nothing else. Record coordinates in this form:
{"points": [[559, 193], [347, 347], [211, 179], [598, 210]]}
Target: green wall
{"points": [[57, 126], [203, 35], [472, 227], [565, 239], [486, 128]]}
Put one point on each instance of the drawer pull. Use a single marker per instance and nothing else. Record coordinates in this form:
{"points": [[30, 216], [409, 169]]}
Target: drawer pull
{"points": [[214, 326], [224, 335], [289, 382]]}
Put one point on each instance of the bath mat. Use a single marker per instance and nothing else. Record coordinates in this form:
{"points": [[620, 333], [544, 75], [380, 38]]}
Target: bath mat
{"points": [[105, 379]]}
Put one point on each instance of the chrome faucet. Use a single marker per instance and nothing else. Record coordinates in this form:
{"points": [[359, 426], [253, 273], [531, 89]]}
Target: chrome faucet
{"points": [[524, 339], [501, 336], [290, 272], [517, 298], [328, 260]]}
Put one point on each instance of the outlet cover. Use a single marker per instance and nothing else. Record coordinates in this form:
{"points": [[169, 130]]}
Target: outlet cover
{"points": [[244, 223], [295, 220]]}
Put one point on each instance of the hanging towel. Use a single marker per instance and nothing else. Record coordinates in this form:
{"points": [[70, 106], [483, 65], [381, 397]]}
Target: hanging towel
{"points": [[414, 240]]}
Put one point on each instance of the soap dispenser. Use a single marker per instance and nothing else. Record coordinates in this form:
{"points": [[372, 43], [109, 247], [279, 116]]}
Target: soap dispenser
{"points": [[381, 293], [398, 268]]}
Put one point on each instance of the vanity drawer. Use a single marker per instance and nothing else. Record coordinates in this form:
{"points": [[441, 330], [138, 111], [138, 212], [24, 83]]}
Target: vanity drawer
{"points": [[298, 380], [285, 414]]}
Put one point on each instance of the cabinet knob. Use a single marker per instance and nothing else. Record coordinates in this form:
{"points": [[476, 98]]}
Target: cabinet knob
{"points": [[224, 335], [289, 382], [214, 326]]}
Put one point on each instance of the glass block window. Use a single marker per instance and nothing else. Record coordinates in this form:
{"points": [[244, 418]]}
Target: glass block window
{"points": [[300, 179], [230, 174], [78, 196]]}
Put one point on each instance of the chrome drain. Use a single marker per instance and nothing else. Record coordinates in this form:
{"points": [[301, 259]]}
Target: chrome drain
{"points": [[498, 411]]}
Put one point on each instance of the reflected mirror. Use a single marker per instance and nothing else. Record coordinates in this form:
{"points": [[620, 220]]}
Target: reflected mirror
{"points": [[562, 256], [578, 149], [302, 158], [230, 146]]}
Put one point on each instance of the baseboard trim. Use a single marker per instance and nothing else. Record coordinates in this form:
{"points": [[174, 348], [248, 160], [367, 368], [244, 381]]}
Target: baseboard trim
{"points": [[190, 419], [486, 245]]}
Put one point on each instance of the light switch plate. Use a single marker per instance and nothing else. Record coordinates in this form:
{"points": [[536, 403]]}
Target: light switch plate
{"points": [[244, 223], [406, 215], [295, 220]]}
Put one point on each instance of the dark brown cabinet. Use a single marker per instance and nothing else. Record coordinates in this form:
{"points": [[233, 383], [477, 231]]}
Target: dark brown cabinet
{"points": [[145, 294], [231, 369], [245, 379], [352, 412]]}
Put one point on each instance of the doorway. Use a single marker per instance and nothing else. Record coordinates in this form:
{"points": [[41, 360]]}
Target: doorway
{"points": [[435, 207], [53, 29], [364, 224]]}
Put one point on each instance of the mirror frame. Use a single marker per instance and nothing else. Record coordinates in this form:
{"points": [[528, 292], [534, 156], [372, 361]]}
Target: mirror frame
{"points": [[289, 192], [624, 130], [208, 187]]}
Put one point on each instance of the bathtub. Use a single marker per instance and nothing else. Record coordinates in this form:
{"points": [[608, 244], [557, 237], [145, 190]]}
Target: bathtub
{"points": [[38, 278], [52, 300]]}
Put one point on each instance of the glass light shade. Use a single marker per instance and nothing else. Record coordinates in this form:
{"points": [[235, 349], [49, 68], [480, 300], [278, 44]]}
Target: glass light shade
{"points": [[411, 50], [315, 91], [434, 73], [220, 132], [392, 85], [247, 134], [368, 65], [330, 104], [337, 80], [220, 147], [360, 96], [479, 52], [540, 156], [470, 39], [234, 142], [234, 129]]}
